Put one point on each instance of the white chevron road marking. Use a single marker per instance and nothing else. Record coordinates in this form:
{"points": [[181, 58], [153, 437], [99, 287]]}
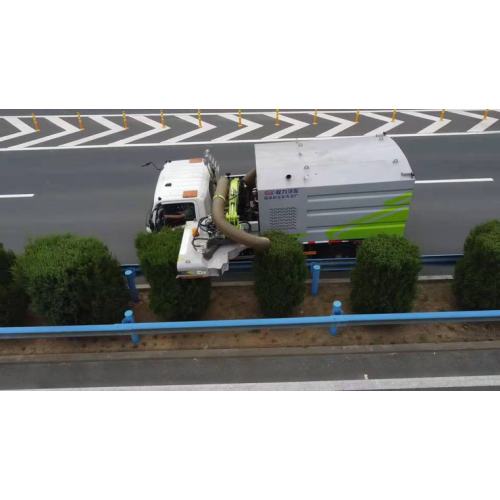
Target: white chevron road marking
{"points": [[156, 127], [68, 128], [248, 127], [24, 128], [190, 119], [296, 125], [433, 127], [389, 125], [479, 127], [343, 124], [112, 126]]}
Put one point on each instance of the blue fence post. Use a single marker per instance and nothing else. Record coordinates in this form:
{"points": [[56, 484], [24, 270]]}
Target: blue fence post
{"points": [[316, 270], [336, 311], [128, 317], [130, 275]]}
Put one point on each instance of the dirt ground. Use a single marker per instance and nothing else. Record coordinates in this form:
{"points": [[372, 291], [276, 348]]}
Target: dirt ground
{"points": [[240, 302]]}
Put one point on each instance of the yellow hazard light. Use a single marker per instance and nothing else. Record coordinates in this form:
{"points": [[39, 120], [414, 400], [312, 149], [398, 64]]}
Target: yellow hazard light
{"points": [[195, 160], [190, 194]]}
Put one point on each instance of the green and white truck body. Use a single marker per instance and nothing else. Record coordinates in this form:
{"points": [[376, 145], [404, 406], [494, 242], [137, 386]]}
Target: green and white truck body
{"points": [[342, 189], [329, 193]]}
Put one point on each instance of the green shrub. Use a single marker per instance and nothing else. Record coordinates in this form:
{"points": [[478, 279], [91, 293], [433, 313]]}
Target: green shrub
{"points": [[477, 275], [170, 298], [280, 275], [385, 277], [73, 280], [13, 300]]}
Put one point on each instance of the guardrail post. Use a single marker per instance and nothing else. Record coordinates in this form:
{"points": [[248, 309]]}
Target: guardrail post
{"points": [[336, 311], [130, 275], [80, 121], [128, 317], [35, 122], [316, 270]]}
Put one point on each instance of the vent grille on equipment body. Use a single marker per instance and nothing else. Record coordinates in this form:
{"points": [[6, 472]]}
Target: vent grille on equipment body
{"points": [[283, 218]]}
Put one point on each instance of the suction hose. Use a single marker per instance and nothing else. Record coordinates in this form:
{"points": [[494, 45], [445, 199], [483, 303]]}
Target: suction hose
{"points": [[258, 243]]}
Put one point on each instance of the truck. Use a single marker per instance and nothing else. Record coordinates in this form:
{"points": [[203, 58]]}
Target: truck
{"points": [[330, 194]]}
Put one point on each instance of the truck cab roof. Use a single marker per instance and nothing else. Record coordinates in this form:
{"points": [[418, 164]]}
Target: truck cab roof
{"points": [[182, 180]]}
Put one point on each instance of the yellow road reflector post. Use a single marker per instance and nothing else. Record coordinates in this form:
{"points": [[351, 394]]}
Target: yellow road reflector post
{"points": [[441, 115], [162, 119], [315, 119], [80, 121], [239, 119], [35, 122], [394, 113], [485, 114], [277, 119], [125, 123], [356, 116], [200, 124]]}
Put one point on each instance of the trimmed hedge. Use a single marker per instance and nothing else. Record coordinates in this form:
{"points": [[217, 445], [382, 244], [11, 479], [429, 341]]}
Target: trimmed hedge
{"points": [[280, 275], [170, 298], [477, 275], [13, 300], [385, 277], [73, 280]]}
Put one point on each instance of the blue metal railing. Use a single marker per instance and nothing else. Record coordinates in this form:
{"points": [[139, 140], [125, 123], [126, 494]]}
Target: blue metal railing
{"points": [[330, 264], [222, 326]]}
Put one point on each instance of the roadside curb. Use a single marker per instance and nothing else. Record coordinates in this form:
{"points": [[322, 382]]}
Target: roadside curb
{"points": [[250, 352]]}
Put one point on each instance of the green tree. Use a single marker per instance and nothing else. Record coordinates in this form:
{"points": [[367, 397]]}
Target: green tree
{"points": [[170, 298], [73, 280], [477, 275], [13, 299], [280, 275], [384, 279]]}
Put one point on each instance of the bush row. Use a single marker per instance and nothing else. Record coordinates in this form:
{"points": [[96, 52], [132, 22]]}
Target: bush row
{"points": [[69, 279]]}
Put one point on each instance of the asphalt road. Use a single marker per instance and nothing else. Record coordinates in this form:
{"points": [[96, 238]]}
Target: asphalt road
{"points": [[105, 193], [416, 367]]}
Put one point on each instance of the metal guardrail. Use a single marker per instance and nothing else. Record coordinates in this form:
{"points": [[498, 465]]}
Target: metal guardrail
{"points": [[330, 264], [224, 326]]}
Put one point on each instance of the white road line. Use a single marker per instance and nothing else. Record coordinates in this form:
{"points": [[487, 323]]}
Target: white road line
{"points": [[24, 128], [112, 126], [216, 113], [17, 195], [433, 127], [190, 119], [446, 181], [343, 124], [68, 128], [479, 127], [248, 127], [389, 125], [320, 385], [156, 127], [296, 125]]}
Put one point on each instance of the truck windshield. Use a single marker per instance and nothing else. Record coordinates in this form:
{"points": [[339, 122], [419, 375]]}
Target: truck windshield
{"points": [[175, 214]]}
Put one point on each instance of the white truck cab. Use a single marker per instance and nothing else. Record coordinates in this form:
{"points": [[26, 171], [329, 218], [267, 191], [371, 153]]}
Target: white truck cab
{"points": [[182, 194]]}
